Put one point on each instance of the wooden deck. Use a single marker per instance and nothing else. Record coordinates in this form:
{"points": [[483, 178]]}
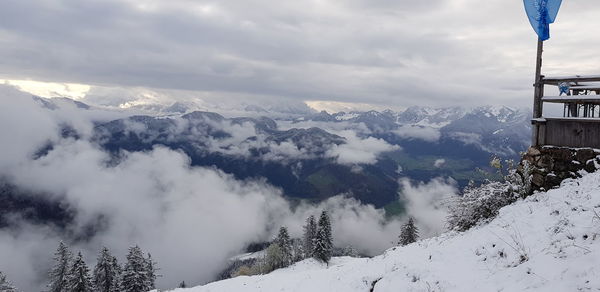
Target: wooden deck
{"points": [[593, 99], [579, 128]]}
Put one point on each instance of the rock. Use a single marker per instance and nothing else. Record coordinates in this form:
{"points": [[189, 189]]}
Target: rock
{"points": [[552, 181], [552, 165], [537, 179], [559, 153], [583, 155], [530, 159], [561, 165], [545, 162], [533, 151], [590, 166]]}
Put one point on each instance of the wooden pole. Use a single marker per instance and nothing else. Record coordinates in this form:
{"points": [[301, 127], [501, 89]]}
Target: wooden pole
{"points": [[539, 87], [538, 94]]}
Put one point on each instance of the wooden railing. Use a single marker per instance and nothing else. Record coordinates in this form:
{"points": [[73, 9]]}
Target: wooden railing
{"points": [[574, 79]]}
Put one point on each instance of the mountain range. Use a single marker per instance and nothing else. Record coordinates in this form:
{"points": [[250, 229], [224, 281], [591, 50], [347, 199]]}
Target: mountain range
{"points": [[315, 156], [296, 153]]}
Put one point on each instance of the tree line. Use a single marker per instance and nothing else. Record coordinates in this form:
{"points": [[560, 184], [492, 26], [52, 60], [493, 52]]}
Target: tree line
{"points": [[316, 242], [71, 274]]}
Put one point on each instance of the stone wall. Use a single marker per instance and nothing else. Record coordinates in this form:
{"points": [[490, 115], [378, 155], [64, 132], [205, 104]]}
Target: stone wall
{"points": [[551, 165]]}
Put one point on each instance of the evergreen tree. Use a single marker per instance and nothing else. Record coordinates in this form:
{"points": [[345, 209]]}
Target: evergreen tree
{"points": [[285, 244], [107, 272], [60, 271], [310, 234], [410, 233], [135, 273], [182, 285], [324, 241], [79, 279], [349, 251], [5, 285], [151, 269], [297, 249]]}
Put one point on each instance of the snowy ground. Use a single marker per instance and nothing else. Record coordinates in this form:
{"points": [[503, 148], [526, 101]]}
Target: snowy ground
{"points": [[548, 242]]}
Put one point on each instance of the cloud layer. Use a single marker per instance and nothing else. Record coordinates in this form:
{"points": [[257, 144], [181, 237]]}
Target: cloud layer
{"points": [[191, 219], [396, 53]]}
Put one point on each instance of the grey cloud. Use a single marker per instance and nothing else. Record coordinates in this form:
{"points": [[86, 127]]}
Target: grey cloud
{"points": [[427, 203], [382, 52], [359, 150], [418, 132]]}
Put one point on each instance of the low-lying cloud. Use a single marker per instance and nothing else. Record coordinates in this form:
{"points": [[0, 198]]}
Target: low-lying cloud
{"points": [[191, 219], [358, 150], [427, 203], [427, 134]]}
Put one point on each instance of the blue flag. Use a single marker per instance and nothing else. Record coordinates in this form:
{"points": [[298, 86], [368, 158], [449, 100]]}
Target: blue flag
{"points": [[541, 13]]}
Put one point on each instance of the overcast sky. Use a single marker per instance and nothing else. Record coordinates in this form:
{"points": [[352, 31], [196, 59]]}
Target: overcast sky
{"points": [[389, 53]]}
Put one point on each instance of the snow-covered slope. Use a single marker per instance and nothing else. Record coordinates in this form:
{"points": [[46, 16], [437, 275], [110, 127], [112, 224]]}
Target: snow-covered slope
{"points": [[548, 242]]}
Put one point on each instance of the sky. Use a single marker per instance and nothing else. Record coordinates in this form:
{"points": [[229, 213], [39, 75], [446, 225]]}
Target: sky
{"points": [[330, 54]]}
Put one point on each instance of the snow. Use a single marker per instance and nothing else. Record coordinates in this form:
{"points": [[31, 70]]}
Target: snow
{"points": [[547, 242], [347, 116], [426, 123], [247, 256], [571, 77]]}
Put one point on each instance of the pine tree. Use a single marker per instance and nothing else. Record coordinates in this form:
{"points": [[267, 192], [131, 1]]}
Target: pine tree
{"points": [[285, 244], [182, 285], [107, 272], [310, 234], [151, 269], [5, 285], [79, 279], [410, 233], [135, 273], [297, 249], [324, 241], [60, 271]]}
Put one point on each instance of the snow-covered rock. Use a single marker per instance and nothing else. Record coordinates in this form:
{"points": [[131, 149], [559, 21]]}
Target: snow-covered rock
{"points": [[547, 242]]}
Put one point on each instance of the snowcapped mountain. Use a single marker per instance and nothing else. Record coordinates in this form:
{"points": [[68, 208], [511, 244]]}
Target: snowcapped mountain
{"points": [[430, 117], [497, 130], [547, 242], [422, 116]]}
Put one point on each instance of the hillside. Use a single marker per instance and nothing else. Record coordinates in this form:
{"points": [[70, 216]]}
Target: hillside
{"points": [[548, 242]]}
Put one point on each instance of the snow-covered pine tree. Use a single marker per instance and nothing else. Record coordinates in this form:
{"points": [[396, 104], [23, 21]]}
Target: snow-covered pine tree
{"points": [[324, 241], [135, 274], [60, 271], [409, 234], [285, 244], [151, 269], [297, 249], [107, 272], [79, 279], [5, 285], [310, 234]]}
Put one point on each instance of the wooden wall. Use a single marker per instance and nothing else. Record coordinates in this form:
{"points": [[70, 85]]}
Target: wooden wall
{"points": [[575, 133]]}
